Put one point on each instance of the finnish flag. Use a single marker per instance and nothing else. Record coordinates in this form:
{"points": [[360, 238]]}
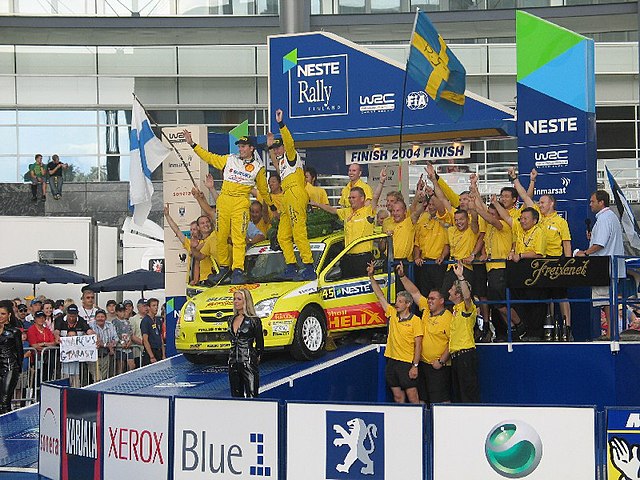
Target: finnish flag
{"points": [[147, 153]]}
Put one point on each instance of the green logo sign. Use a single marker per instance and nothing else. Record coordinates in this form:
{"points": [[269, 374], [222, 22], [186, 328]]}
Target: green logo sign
{"points": [[513, 449]]}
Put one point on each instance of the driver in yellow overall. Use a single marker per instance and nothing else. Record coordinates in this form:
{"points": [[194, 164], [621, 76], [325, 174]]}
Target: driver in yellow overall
{"points": [[241, 173], [293, 216]]}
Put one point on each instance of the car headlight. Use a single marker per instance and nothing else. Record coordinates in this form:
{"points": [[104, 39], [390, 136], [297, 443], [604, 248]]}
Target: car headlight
{"points": [[265, 307], [189, 312]]}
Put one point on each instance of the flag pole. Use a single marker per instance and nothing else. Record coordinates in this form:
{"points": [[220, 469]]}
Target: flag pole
{"points": [[167, 139], [404, 94]]}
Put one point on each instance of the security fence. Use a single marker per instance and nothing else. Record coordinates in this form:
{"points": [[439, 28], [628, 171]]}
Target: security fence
{"points": [[45, 366]]}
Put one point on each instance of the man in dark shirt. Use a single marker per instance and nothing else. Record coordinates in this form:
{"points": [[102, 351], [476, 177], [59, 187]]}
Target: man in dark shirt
{"points": [[68, 326], [54, 168], [151, 329]]}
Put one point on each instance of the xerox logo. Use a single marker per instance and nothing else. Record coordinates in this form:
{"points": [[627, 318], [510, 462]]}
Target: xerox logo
{"points": [[318, 86], [378, 102], [131, 445]]}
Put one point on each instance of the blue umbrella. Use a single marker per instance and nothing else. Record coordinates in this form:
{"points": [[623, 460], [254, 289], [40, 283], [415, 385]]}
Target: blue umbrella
{"points": [[36, 272], [137, 280]]}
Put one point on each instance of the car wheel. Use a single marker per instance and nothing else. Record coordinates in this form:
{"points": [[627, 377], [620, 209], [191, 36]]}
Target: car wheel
{"points": [[310, 336]]}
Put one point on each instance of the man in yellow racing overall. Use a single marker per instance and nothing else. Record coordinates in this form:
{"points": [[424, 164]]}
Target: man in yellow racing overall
{"points": [[293, 217], [241, 173]]}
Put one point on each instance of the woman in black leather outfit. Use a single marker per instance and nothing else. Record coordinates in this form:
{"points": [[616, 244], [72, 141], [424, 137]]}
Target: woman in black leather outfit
{"points": [[247, 344], [11, 354]]}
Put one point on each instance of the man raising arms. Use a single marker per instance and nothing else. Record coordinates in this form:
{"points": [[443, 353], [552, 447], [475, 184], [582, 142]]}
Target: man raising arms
{"points": [[241, 172], [293, 217]]}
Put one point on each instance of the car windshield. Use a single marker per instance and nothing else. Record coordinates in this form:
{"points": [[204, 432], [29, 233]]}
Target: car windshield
{"points": [[265, 265]]}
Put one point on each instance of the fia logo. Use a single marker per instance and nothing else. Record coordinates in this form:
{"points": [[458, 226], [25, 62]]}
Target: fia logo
{"points": [[417, 100], [354, 445]]}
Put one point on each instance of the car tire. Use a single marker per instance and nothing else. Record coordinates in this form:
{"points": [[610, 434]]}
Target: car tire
{"points": [[310, 336]]}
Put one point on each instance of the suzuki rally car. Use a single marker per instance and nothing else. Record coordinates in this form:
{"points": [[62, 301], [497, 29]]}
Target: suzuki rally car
{"points": [[295, 314]]}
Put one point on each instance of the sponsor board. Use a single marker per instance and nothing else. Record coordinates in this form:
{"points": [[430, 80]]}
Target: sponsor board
{"points": [[172, 167], [318, 86], [81, 445], [536, 443], [136, 436], [49, 449], [239, 441], [623, 443], [450, 151], [335, 442]]}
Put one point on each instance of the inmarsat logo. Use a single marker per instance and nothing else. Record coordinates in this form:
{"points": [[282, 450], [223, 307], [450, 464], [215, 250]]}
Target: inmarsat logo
{"points": [[513, 449], [355, 445], [318, 86], [557, 190]]}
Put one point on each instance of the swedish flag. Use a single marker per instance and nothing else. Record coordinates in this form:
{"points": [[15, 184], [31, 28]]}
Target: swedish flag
{"points": [[436, 68]]}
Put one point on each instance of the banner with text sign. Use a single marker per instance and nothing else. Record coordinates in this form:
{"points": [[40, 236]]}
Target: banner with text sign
{"points": [[412, 153], [81, 348], [335, 92], [558, 272]]}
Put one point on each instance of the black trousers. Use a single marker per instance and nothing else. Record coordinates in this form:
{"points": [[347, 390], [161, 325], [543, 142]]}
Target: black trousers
{"points": [[464, 376], [8, 381], [244, 379]]}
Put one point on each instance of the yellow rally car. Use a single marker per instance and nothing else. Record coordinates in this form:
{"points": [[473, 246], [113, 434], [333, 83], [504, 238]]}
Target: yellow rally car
{"points": [[295, 314]]}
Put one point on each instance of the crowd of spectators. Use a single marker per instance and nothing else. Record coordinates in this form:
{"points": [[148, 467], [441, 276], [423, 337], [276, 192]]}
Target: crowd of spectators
{"points": [[125, 339]]}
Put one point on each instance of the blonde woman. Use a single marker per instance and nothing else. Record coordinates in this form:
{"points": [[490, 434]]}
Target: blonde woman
{"points": [[247, 345]]}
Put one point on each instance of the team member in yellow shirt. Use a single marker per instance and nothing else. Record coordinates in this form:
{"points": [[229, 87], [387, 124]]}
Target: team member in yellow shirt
{"points": [[316, 194], [193, 267], [430, 240], [436, 326], [498, 241], [355, 172], [293, 215], [404, 344], [462, 346], [359, 220], [240, 173]]}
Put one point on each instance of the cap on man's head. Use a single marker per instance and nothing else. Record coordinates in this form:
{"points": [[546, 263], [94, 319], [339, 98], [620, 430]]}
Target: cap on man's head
{"points": [[276, 143], [73, 308], [22, 307], [111, 302], [39, 314], [120, 307], [35, 300], [142, 301], [29, 297], [100, 311], [127, 302], [245, 141]]}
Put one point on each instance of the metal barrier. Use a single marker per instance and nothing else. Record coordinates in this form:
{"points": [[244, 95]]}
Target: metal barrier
{"points": [[45, 366]]}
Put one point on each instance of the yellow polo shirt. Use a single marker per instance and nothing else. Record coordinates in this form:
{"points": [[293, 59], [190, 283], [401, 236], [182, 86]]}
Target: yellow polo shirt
{"points": [[556, 229], [402, 335], [462, 323], [263, 226], [436, 332], [461, 244], [317, 194], [209, 250], [498, 244], [533, 240], [403, 239], [357, 224], [344, 196], [388, 224], [431, 234]]}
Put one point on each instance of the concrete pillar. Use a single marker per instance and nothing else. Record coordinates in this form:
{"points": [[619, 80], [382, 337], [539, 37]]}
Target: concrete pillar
{"points": [[295, 16]]}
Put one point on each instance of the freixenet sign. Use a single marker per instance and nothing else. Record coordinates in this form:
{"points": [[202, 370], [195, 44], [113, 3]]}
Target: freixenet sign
{"points": [[558, 272]]}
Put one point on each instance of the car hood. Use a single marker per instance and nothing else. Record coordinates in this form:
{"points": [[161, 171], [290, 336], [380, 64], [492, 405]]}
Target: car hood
{"points": [[221, 296]]}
